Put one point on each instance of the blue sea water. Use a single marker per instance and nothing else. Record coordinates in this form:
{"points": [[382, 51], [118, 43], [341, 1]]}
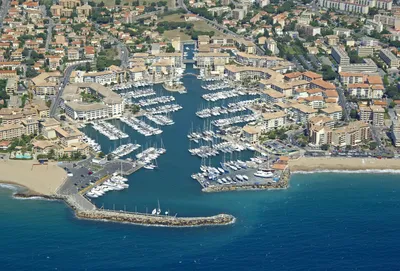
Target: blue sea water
{"points": [[322, 222]]}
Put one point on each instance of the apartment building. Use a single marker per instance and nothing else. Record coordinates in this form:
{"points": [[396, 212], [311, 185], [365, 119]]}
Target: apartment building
{"points": [[334, 112], [259, 61], [111, 104], [388, 20], [204, 60], [308, 29], [301, 113], [274, 120], [340, 55], [322, 132], [364, 51], [368, 66], [395, 132], [347, 78], [389, 58], [356, 6]]}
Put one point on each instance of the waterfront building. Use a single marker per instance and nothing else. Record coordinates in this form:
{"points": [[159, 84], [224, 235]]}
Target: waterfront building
{"points": [[351, 135], [111, 104], [271, 96], [389, 58], [240, 73], [322, 132], [82, 148], [274, 120], [395, 132], [11, 131], [68, 135], [217, 60], [340, 55], [252, 132], [138, 73]]}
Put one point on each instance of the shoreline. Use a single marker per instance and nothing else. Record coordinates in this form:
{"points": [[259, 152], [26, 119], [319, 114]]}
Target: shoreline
{"points": [[345, 164]]}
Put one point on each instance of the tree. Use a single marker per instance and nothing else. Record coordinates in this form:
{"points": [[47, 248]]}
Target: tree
{"points": [[325, 147], [373, 145], [170, 49], [353, 113]]}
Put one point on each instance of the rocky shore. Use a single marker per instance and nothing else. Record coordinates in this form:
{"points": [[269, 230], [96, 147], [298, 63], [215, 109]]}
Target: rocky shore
{"points": [[173, 88], [152, 220]]}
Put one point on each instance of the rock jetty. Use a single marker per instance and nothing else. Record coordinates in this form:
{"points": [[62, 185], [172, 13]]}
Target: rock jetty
{"points": [[154, 220]]}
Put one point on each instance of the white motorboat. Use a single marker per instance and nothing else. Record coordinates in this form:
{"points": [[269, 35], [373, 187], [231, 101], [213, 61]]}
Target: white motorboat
{"points": [[264, 174]]}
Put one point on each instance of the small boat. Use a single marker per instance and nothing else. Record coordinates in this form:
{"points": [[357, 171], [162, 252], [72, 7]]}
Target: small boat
{"points": [[154, 212], [245, 177]]}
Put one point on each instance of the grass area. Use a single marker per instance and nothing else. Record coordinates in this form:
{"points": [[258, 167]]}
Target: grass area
{"points": [[198, 26], [176, 33], [111, 53], [171, 18]]}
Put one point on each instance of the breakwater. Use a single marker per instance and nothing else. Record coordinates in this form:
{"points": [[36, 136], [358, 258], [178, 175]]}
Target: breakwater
{"points": [[154, 220], [82, 210]]}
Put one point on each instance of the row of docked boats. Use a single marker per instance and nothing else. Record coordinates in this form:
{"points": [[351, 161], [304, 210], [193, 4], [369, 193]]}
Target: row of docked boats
{"points": [[140, 126], [233, 180], [139, 93], [216, 86], [116, 182], [222, 95], [154, 101], [233, 120], [163, 109], [160, 119], [92, 143], [207, 135], [219, 110], [125, 150], [215, 149], [131, 85], [108, 130], [149, 157]]}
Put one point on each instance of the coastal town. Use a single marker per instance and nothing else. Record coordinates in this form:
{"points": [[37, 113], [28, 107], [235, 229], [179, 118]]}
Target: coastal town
{"points": [[93, 92]]}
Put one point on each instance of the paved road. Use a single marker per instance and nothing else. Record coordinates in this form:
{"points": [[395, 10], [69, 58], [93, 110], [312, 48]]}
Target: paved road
{"points": [[49, 27], [4, 10], [343, 103], [64, 82]]}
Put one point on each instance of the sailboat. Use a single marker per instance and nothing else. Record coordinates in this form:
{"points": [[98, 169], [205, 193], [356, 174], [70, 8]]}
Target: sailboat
{"points": [[154, 212], [158, 209]]}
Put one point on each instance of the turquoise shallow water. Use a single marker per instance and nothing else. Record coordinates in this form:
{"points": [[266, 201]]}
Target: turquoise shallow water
{"points": [[322, 222]]}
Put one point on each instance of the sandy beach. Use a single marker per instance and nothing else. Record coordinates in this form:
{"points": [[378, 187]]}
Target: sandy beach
{"points": [[345, 163], [41, 180]]}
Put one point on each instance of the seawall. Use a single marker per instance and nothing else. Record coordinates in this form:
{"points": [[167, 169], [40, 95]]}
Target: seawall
{"points": [[153, 220]]}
